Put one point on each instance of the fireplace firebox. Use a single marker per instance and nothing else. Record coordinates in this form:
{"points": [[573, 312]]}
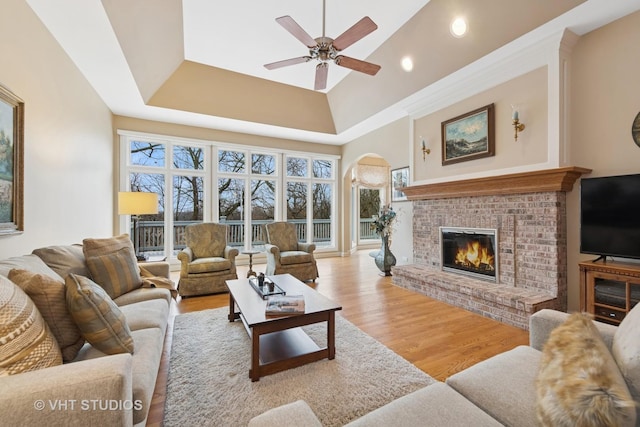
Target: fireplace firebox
{"points": [[470, 251]]}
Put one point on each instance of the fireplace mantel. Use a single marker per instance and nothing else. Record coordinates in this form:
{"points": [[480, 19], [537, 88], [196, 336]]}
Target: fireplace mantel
{"points": [[559, 179]]}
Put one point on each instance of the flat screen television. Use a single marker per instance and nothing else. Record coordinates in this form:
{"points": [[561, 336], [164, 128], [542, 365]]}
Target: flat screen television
{"points": [[610, 216]]}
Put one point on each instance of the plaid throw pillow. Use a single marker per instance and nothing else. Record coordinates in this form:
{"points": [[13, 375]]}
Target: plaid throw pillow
{"points": [[117, 272], [100, 320]]}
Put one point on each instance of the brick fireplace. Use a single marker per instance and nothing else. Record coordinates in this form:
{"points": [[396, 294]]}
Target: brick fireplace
{"points": [[528, 213]]}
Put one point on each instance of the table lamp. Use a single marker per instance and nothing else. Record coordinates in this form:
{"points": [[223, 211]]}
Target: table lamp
{"points": [[136, 203]]}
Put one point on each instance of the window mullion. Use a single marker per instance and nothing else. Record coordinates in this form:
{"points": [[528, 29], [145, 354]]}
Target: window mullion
{"points": [[168, 202]]}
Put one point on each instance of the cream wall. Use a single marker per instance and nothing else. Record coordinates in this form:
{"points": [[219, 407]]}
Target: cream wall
{"points": [[391, 143], [68, 168], [169, 129], [602, 104], [529, 91], [605, 99]]}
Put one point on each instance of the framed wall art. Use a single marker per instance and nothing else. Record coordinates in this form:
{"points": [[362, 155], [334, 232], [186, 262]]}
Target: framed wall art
{"points": [[399, 180], [11, 162], [469, 136]]}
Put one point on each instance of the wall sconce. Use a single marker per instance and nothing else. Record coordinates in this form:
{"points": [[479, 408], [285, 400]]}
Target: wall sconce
{"points": [[425, 150], [517, 126]]}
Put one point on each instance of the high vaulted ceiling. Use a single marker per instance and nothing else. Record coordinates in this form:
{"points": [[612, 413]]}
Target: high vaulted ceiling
{"points": [[200, 62]]}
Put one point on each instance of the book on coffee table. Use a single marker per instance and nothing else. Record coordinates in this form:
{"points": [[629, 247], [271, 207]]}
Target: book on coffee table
{"points": [[285, 305]]}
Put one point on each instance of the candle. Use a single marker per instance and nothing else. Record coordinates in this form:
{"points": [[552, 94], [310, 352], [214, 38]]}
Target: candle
{"points": [[423, 145], [515, 114]]}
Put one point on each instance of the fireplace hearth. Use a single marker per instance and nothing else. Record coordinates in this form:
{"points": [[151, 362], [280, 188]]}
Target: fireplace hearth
{"points": [[470, 251]]}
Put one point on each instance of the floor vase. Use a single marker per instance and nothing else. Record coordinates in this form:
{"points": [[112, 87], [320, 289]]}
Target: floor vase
{"points": [[385, 259]]}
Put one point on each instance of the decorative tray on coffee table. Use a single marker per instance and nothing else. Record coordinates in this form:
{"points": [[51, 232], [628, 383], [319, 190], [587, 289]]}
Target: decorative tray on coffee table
{"points": [[265, 290]]}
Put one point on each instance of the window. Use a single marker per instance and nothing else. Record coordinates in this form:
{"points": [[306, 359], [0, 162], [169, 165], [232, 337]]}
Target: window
{"points": [[244, 187], [369, 202], [246, 195], [310, 199], [176, 172]]}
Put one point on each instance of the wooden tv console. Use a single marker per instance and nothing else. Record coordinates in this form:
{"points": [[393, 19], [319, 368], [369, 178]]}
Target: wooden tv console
{"points": [[609, 290]]}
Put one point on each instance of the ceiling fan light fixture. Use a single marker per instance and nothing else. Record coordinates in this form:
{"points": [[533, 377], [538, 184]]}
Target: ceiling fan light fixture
{"points": [[459, 27]]}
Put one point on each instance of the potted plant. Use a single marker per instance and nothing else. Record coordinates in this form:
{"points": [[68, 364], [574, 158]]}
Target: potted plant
{"points": [[383, 226]]}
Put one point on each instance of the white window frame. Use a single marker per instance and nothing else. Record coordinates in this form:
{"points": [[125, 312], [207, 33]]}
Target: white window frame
{"points": [[211, 174]]}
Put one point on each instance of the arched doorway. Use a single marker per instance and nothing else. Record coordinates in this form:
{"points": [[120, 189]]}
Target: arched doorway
{"points": [[369, 190]]}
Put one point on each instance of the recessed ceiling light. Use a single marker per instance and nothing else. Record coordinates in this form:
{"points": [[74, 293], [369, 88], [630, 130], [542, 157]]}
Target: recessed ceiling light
{"points": [[458, 27], [407, 63]]}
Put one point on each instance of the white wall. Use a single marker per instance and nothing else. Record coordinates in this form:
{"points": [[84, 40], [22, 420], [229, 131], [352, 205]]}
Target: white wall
{"points": [[68, 155]]}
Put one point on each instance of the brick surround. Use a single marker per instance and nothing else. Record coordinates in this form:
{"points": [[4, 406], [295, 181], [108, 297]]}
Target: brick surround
{"points": [[532, 254]]}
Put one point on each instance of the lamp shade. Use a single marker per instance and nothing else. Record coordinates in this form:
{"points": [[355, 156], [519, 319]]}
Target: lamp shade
{"points": [[137, 203]]}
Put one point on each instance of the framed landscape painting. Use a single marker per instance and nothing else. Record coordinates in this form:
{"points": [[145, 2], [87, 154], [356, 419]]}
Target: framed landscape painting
{"points": [[399, 180], [469, 136], [11, 162]]}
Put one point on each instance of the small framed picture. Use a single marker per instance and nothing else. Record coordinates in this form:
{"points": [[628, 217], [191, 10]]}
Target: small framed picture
{"points": [[399, 180], [469, 136]]}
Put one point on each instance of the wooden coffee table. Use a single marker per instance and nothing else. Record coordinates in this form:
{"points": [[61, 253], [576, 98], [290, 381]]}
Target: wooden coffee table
{"points": [[278, 343]]}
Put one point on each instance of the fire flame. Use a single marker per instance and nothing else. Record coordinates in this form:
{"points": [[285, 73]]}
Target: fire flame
{"points": [[475, 255]]}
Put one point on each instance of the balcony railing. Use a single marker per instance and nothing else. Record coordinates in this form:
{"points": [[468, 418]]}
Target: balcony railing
{"points": [[150, 234]]}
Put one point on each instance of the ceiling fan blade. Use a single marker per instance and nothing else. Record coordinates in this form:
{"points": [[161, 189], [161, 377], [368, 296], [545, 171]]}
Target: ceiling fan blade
{"points": [[355, 33], [357, 65], [321, 76], [286, 62], [296, 30]]}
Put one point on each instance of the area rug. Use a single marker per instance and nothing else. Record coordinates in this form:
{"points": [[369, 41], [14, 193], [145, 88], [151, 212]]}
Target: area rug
{"points": [[209, 383]]}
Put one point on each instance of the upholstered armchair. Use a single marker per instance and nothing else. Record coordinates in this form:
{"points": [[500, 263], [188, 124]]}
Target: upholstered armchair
{"points": [[286, 255], [207, 261]]}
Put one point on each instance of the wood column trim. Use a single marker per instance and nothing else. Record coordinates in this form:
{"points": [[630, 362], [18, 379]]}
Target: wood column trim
{"points": [[559, 179]]}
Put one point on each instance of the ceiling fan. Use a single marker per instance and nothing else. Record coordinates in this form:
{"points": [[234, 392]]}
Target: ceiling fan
{"points": [[325, 49]]}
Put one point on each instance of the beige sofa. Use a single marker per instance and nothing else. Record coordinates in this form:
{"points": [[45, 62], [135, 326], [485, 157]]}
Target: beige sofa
{"points": [[94, 388], [498, 391]]}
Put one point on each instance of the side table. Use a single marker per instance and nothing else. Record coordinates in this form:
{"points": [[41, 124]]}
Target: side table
{"points": [[251, 253]]}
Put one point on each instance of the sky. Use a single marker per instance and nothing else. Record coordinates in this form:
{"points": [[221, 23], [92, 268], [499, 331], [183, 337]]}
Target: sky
{"points": [[471, 128]]}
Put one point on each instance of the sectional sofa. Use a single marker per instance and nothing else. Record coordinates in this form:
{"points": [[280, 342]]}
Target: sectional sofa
{"points": [[95, 358], [499, 391]]}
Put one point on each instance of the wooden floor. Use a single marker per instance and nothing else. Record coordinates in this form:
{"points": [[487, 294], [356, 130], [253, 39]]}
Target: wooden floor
{"points": [[437, 338]]}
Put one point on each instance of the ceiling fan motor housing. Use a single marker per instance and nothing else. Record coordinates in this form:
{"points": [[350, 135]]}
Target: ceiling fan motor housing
{"points": [[324, 50]]}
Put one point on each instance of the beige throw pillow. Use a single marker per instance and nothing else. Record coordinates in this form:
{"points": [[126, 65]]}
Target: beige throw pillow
{"points": [[579, 383], [48, 295], [98, 317], [26, 344], [64, 259], [92, 247], [117, 272], [112, 264]]}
